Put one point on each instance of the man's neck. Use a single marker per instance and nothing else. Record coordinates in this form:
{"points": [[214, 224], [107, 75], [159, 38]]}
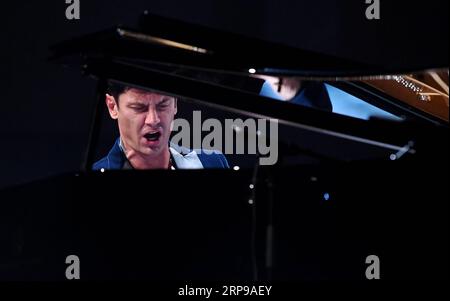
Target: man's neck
{"points": [[140, 161]]}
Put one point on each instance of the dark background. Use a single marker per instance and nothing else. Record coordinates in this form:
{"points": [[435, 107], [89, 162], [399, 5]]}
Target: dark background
{"points": [[46, 109]]}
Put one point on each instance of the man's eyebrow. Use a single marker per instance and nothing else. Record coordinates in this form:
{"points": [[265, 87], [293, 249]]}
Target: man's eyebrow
{"points": [[165, 100], [136, 103]]}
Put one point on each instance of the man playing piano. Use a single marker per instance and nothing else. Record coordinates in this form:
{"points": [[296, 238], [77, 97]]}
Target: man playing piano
{"points": [[145, 119]]}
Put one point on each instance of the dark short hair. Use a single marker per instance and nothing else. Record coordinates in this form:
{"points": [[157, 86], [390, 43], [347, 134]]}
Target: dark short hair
{"points": [[115, 89]]}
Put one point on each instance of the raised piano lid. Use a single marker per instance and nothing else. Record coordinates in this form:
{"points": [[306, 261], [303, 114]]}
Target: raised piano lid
{"points": [[169, 42]]}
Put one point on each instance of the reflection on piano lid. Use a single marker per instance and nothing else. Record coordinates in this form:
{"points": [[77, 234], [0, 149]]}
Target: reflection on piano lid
{"points": [[425, 92]]}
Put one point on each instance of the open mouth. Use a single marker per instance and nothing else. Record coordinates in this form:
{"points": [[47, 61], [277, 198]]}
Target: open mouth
{"points": [[152, 136]]}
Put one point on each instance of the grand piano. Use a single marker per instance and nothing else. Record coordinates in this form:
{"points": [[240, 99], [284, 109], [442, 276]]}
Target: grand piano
{"points": [[366, 174]]}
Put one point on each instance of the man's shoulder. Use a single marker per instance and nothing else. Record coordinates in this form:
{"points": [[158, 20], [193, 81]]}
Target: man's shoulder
{"points": [[208, 158], [212, 158], [114, 159], [102, 163]]}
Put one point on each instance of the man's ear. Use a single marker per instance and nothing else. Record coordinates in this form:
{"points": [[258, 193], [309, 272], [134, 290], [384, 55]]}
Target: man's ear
{"points": [[112, 106]]}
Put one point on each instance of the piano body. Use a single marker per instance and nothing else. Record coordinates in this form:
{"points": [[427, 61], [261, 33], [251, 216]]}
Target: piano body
{"points": [[344, 188]]}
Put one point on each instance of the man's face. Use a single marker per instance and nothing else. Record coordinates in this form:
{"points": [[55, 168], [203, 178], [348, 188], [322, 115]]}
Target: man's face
{"points": [[144, 119]]}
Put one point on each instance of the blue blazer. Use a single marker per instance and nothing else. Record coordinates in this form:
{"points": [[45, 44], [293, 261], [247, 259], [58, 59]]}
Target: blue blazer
{"points": [[116, 158]]}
